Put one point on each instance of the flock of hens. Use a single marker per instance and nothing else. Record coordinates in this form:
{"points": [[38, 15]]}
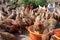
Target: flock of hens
{"points": [[19, 18]]}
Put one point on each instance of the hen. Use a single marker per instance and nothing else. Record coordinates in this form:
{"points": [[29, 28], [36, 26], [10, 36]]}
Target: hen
{"points": [[12, 16], [7, 36]]}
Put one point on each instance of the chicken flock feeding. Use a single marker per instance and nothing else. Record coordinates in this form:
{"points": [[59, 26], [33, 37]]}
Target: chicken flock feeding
{"points": [[19, 18]]}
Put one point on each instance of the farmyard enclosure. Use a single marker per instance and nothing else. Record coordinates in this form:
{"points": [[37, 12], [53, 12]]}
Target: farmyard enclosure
{"points": [[29, 19]]}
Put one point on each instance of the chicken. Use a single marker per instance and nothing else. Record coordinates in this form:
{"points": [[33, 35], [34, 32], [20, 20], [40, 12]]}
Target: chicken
{"points": [[47, 15], [10, 25], [49, 25], [57, 14], [8, 28], [29, 21], [53, 23], [4, 10], [37, 27], [2, 17], [18, 19], [7, 36], [9, 22], [39, 9], [9, 11], [22, 14], [37, 18], [32, 16], [26, 11], [12, 16], [25, 21]]}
